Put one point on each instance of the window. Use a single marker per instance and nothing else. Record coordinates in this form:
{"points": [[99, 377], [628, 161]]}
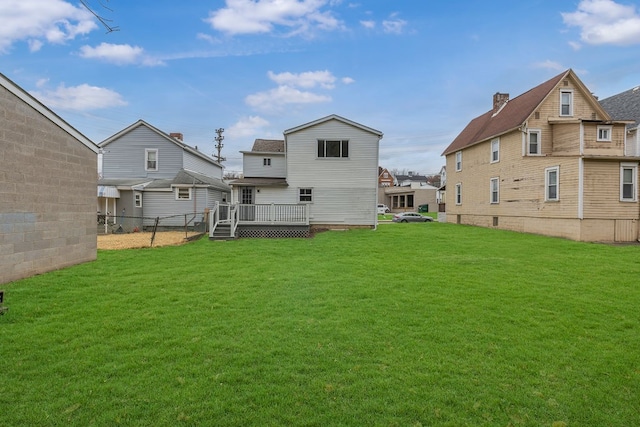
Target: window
{"points": [[266, 162], [534, 142], [495, 190], [333, 148], [409, 200], [628, 180], [458, 194], [604, 133], [137, 197], [459, 161], [495, 150], [566, 103], [151, 159], [551, 184], [246, 195], [305, 195], [183, 193]]}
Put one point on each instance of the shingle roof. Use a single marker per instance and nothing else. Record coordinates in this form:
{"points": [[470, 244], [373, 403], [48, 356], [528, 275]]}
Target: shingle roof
{"points": [[268, 145], [265, 182], [624, 106], [512, 115]]}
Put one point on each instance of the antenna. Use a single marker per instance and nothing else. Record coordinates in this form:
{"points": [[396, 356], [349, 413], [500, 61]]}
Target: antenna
{"points": [[219, 145]]}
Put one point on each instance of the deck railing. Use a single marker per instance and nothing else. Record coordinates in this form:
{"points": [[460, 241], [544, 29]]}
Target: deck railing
{"points": [[258, 214]]}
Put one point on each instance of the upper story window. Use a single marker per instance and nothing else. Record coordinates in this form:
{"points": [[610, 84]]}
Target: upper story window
{"points": [[266, 161], [566, 103], [458, 194], [552, 184], [151, 159], [459, 161], [534, 142], [183, 193], [628, 182], [604, 133], [495, 150], [495, 190], [333, 148]]}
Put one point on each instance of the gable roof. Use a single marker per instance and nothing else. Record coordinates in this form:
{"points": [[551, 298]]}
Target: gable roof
{"points": [[268, 146], [162, 134], [334, 117], [624, 106], [46, 112], [513, 114]]}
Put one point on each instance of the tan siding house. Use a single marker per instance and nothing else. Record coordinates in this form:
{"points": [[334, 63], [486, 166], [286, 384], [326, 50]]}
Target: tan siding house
{"points": [[550, 161], [48, 174]]}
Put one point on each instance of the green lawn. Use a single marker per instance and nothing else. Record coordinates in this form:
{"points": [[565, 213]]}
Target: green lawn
{"points": [[410, 325]]}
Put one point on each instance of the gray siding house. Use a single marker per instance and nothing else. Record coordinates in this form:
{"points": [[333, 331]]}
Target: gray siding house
{"points": [[626, 106], [148, 174], [48, 172], [329, 165]]}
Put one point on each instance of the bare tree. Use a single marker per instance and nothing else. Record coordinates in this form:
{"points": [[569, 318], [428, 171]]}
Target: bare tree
{"points": [[103, 21]]}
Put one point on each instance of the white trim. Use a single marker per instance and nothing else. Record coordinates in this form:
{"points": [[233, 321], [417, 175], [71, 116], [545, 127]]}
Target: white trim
{"points": [[147, 151], [495, 142], [497, 181], [528, 142], [580, 188], [310, 194], [570, 92], [555, 169], [177, 193], [634, 181], [458, 163], [137, 199], [334, 117], [458, 194], [607, 129]]}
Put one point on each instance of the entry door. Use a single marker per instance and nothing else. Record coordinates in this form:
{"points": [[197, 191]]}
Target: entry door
{"points": [[247, 208]]}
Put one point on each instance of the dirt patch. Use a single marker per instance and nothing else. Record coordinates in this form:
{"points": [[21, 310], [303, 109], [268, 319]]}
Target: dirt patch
{"points": [[143, 240]]}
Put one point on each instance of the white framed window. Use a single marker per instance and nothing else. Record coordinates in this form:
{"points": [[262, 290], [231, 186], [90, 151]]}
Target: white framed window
{"points": [[552, 184], [566, 103], [534, 142], [459, 161], [333, 148], [495, 150], [183, 193], [151, 159], [266, 161], [628, 182], [604, 133], [137, 198], [458, 193], [305, 195], [495, 190]]}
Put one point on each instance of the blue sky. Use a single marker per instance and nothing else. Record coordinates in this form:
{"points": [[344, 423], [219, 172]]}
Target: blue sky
{"points": [[417, 70]]}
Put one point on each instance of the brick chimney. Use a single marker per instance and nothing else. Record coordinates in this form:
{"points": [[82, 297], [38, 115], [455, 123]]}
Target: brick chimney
{"points": [[499, 99], [176, 135]]}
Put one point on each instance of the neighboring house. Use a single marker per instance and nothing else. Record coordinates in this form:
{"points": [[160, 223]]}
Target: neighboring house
{"points": [[148, 174], [385, 178], [441, 194], [328, 166], [410, 179], [410, 197], [48, 172], [550, 161], [626, 106]]}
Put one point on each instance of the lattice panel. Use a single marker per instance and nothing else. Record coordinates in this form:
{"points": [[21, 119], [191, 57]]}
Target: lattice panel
{"points": [[274, 232]]}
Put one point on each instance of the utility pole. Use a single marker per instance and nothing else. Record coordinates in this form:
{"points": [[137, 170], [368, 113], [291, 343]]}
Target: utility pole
{"points": [[219, 145]]}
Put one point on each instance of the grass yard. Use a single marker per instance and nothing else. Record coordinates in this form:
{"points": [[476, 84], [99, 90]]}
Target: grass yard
{"points": [[411, 325]]}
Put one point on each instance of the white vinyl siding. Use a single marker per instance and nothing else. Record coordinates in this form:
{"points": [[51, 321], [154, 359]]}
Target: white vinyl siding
{"points": [[253, 165]]}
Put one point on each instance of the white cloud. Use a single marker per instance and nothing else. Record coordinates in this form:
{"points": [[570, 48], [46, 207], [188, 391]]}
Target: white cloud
{"points": [[550, 65], [605, 22], [120, 54], [274, 99], [368, 24], [262, 16], [306, 80], [79, 98], [37, 22], [393, 25], [247, 126], [208, 38], [348, 80]]}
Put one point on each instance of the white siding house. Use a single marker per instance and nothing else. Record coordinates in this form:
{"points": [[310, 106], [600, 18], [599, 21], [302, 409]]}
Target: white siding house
{"points": [[330, 165]]}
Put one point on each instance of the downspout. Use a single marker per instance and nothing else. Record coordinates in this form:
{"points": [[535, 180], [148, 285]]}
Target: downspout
{"points": [[581, 175]]}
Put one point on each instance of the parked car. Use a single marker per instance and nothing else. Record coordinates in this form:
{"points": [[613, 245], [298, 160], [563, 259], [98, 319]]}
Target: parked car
{"points": [[411, 217], [383, 209]]}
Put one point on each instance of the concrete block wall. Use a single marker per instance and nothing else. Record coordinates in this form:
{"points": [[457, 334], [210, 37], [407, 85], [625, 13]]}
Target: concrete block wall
{"points": [[47, 194]]}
